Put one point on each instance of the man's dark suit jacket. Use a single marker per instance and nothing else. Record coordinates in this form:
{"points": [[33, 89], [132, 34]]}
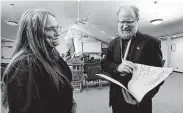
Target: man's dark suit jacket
{"points": [[144, 49]]}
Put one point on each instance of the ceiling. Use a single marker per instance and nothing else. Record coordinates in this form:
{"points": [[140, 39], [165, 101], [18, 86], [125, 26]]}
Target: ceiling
{"points": [[101, 14]]}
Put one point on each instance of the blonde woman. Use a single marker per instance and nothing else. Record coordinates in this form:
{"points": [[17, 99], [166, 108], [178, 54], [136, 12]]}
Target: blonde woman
{"points": [[37, 80]]}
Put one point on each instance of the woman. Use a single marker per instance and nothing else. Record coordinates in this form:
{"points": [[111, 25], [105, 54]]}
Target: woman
{"points": [[37, 80]]}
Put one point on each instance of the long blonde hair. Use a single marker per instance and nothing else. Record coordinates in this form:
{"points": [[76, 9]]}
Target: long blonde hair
{"points": [[31, 38]]}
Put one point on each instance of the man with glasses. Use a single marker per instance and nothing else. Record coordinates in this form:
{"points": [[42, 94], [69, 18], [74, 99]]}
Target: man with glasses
{"points": [[128, 48]]}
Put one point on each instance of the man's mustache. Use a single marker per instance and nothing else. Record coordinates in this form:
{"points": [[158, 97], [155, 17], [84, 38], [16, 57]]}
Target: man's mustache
{"points": [[126, 29]]}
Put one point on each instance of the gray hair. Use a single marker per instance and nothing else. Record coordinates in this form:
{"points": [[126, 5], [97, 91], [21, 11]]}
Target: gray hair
{"points": [[134, 8]]}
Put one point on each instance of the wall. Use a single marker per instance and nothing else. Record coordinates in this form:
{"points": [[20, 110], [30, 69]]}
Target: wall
{"points": [[164, 48], [92, 47], [177, 55], [7, 49], [175, 59]]}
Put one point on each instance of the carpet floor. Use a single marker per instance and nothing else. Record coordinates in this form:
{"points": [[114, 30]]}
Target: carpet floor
{"points": [[168, 100]]}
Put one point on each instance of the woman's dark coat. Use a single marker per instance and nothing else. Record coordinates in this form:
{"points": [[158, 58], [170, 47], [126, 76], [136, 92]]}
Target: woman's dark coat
{"points": [[30, 89]]}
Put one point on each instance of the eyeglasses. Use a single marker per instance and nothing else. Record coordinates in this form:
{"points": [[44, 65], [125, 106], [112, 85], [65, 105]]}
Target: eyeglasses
{"points": [[127, 22], [53, 28]]}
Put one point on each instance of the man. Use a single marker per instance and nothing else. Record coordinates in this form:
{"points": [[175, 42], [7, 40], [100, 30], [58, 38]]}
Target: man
{"points": [[120, 62]]}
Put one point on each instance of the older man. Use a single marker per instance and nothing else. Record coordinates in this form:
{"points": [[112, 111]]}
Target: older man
{"points": [[119, 61]]}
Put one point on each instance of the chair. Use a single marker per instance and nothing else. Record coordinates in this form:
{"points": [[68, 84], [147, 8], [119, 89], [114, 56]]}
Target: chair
{"points": [[77, 76], [3, 67], [92, 70]]}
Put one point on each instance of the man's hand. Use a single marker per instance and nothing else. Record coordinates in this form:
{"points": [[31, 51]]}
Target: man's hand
{"points": [[126, 66], [128, 97]]}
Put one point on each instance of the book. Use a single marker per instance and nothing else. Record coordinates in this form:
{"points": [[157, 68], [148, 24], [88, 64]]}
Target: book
{"points": [[144, 79]]}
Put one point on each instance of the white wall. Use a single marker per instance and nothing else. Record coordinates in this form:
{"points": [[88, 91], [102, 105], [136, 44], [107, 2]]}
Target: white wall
{"points": [[164, 48], [175, 59], [92, 47], [7, 49], [177, 55]]}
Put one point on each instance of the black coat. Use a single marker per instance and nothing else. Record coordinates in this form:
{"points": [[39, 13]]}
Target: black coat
{"points": [[144, 49], [30, 89]]}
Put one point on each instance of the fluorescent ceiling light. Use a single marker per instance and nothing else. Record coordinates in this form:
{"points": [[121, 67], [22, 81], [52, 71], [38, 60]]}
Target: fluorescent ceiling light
{"points": [[12, 22], [156, 21], [174, 36]]}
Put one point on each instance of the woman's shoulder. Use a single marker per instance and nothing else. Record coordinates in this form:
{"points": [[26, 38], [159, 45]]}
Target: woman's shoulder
{"points": [[20, 66], [24, 60]]}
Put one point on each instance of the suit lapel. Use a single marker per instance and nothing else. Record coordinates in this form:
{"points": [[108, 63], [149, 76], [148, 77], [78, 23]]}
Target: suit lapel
{"points": [[137, 46]]}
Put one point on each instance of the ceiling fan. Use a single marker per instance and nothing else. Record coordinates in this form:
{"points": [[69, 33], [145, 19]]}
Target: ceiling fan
{"points": [[78, 19]]}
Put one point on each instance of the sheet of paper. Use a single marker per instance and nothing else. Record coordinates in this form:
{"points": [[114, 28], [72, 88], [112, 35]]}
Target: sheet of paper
{"points": [[112, 80], [145, 78]]}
